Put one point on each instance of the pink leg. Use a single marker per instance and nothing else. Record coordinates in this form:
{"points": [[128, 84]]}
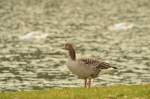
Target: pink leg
{"points": [[85, 83]]}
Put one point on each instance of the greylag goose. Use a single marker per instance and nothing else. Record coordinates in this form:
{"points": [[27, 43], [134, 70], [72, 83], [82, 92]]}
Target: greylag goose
{"points": [[84, 68]]}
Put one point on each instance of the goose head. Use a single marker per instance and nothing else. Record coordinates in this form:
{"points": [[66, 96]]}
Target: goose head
{"points": [[68, 46], [71, 51]]}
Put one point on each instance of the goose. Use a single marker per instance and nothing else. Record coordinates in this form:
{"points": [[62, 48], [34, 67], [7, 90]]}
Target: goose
{"points": [[84, 68]]}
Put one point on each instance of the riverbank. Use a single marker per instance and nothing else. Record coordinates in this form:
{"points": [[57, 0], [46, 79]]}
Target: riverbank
{"points": [[111, 92]]}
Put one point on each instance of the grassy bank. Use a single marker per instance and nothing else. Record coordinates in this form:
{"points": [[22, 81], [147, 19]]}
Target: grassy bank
{"points": [[113, 92]]}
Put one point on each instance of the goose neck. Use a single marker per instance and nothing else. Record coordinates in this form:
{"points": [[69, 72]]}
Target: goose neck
{"points": [[72, 54]]}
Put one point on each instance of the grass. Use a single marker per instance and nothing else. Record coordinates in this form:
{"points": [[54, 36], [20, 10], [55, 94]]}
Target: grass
{"points": [[112, 92]]}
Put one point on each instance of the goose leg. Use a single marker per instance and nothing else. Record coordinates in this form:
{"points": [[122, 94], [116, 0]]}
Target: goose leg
{"points": [[85, 83]]}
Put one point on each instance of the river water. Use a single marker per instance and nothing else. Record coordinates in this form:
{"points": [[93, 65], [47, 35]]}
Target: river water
{"points": [[33, 32]]}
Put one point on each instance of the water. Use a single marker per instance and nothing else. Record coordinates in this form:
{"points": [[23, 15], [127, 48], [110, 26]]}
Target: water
{"points": [[40, 62]]}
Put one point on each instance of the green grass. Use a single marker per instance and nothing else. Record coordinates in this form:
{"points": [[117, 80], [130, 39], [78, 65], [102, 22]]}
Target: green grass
{"points": [[113, 92]]}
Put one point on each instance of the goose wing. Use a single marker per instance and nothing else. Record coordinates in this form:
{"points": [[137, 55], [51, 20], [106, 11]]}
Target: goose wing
{"points": [[96, 64]]}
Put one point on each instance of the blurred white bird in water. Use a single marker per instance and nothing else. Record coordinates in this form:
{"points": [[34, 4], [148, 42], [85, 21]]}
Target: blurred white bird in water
{"points": [[121, 26], [35, 36]]}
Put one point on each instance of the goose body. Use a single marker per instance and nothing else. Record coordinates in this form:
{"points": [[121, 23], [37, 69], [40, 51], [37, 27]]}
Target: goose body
{"points": [[81, 69]]}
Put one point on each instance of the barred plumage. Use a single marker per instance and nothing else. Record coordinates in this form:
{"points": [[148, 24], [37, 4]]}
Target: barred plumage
{"points": [[96, 63], [89, 61]]}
